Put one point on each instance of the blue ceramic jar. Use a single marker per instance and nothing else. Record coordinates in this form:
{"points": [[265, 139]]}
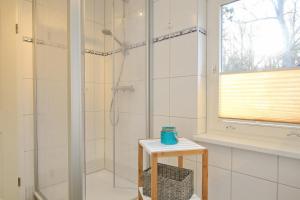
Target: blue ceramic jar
{"points": [[168, 135]]}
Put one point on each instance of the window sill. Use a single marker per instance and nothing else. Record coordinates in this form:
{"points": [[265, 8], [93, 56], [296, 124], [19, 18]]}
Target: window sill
{"points": [[285, 149]]}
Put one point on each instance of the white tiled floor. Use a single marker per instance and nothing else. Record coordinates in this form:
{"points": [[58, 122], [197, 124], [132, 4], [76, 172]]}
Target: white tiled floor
{"points": [[100, 186]]}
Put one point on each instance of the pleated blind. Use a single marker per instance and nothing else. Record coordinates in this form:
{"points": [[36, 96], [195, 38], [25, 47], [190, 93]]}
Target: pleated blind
{"points": [[272, 96]]}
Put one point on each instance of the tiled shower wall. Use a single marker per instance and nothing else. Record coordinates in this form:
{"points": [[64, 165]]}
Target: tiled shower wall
{"points": [[179, 78]]}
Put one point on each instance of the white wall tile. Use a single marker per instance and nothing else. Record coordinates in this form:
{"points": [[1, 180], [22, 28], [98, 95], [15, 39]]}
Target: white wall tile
{"points": [[108, 96], [184, 14], [26, 60], [108, 13], [49, 68], [289, 172], [255, 164], [48, 92], [219, 156], [161, 59], [26, 18], [288, 193], [135, 65], [29, 175], [248, 188], [99, 41], [53, 165], [135, 28], [100, 154], [89, 68], [219, 184], [90, 150], [133, 124], [28, 132], [89, 33], [161, 21], [108, 66], [92, 161], [108, 154], [89, 126], [184, 55], [108, 127], [99, 9], [161, 97], [99, 103], [89, 97], [134, 6], [100, 124], [133, 101], [27, 95], [158, 123], [186, 127], [99, 69], [183, 97], [89, 9], [52, 129]]}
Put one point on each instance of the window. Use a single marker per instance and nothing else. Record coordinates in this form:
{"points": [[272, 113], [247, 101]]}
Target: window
{"points": [[260, 61]]}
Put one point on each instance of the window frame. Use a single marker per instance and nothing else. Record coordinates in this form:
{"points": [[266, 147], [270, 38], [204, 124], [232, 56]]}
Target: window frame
{"points": [[216, 124]]}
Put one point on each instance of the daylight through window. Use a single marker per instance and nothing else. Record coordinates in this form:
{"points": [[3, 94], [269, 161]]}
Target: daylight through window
{"points": [[260, 61]]}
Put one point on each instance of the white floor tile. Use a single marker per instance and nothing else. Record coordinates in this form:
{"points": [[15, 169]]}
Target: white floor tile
{"points": [[100, 186]]}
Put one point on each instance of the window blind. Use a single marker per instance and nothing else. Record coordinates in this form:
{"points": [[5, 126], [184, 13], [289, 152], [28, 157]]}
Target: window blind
{"points": [[272, 96]]}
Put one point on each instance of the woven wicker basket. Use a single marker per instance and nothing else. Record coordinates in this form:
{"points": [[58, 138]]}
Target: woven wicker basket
{"points": [[174, 183]]}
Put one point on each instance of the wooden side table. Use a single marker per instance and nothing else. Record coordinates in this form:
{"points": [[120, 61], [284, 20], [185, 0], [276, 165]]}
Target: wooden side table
{"points": [[156, 150]]}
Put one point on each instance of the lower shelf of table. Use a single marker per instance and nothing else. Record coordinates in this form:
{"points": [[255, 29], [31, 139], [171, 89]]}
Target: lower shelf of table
{"points": [[194, 197]]}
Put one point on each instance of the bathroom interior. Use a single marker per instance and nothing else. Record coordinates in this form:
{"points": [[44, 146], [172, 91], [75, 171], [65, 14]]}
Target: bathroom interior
{"points": [[83, 81]]}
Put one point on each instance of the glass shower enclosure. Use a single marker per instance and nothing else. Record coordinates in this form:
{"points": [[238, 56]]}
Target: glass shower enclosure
{"points": [[116, 92], [52, 111], [92, 95]]}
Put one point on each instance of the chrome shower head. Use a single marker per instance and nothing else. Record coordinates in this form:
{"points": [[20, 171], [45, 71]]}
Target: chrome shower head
{"points": [[107, 32]]}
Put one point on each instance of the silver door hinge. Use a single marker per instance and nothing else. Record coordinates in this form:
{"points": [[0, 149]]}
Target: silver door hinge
{"points": [[17, 28], [19, 182]]}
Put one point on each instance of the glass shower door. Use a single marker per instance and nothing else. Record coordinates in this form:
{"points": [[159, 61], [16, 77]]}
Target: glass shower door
{"points": [[51, 98], [130, 87]]}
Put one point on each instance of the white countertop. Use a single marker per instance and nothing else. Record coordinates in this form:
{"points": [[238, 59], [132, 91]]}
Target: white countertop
{"points": [[274, 148]]}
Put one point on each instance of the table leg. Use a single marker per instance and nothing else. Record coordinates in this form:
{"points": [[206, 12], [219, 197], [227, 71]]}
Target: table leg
{"points": [[154, 195], [140, 170], [205, 175], [180, 161]]}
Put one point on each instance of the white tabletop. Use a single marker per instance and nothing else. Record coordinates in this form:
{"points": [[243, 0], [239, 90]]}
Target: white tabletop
{"points": [[154, 146]]}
